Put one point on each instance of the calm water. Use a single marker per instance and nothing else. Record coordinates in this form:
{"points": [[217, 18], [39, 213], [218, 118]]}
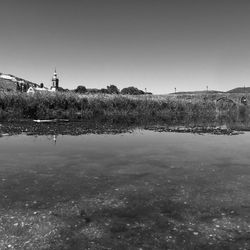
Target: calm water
{"points": [[142, 189], [71, 164], [138, 151]]}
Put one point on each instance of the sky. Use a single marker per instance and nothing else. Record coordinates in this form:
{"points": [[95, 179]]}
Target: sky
{"points": [[154, 44]]}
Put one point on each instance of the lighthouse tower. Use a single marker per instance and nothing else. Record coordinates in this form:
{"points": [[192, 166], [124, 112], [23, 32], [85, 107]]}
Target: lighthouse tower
{"points": [[55, 82]]}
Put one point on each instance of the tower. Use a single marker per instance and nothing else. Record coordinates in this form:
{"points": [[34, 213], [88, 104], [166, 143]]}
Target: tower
{"points": [[55, 81]]}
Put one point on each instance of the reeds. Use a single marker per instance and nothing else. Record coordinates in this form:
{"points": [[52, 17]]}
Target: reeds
{"points": [[170, 109]]}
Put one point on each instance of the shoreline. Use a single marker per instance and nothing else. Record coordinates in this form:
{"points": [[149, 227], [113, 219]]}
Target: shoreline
{"points": [[29, 127]]}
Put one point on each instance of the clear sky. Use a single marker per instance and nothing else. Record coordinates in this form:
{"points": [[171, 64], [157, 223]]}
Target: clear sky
{"points": [[153, 44]]}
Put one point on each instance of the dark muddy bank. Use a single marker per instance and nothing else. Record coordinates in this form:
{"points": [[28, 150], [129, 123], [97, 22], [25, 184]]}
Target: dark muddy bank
{"points": [[90, 127], [62, 128]]}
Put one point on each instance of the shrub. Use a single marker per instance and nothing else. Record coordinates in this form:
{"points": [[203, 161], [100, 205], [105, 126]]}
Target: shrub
{"points": [[81, 89], [132, 91]]}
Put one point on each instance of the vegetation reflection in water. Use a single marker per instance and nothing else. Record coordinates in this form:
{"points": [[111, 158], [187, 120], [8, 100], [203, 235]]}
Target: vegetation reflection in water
{"points": [[145, 189]]}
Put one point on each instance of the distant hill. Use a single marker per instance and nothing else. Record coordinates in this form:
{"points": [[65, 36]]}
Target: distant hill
{"points": [[11, 83], [202, 92], [240, 90]]}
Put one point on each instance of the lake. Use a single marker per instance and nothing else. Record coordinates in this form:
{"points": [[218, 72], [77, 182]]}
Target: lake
{"points": [[137, 190]]}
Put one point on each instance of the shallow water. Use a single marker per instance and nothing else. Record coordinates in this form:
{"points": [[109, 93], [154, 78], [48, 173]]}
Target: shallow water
{"points": [[150, 154], [208, 173], [129, 151]]}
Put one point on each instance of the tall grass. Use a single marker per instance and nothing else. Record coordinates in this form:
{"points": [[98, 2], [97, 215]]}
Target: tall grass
{"points": [[171, 109]]}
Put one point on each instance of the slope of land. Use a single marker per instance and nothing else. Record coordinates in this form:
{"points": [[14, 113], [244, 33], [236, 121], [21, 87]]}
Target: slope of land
{"points": [[201, 92], [240, 90], [10, 82]]}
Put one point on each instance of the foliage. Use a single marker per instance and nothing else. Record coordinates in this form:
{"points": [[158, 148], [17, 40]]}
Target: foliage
{"points": [[168, 109], [132, 91], [93, 91], [81, 89], [60, 89], [104, 91], [112, 89]]}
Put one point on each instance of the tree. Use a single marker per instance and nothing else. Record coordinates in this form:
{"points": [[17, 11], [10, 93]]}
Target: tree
{"points": [[104, 91], [18, 87], [25, 87], [132, 91], [81, 89], [60, 89], [93, 91], [112, 89]]}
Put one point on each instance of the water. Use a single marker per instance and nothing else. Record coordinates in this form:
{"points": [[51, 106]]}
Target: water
{"points": [[70, 159], [139, 150], [197, 176]]}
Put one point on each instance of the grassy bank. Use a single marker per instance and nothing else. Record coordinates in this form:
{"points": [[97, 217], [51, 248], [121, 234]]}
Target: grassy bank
{"points": [[171, 109]]}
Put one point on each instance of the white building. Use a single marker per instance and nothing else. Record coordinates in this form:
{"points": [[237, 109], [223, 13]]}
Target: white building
{"points": [[32, 90], [53, 88]]}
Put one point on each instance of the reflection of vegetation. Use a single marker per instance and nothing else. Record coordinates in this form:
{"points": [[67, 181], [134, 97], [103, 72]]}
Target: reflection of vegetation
{"points": [[170, 109]]}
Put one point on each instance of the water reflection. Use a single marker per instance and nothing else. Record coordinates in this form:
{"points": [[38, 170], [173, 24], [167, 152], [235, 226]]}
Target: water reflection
{"points": [[54, 139], [138, 146], [51, 138]]}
